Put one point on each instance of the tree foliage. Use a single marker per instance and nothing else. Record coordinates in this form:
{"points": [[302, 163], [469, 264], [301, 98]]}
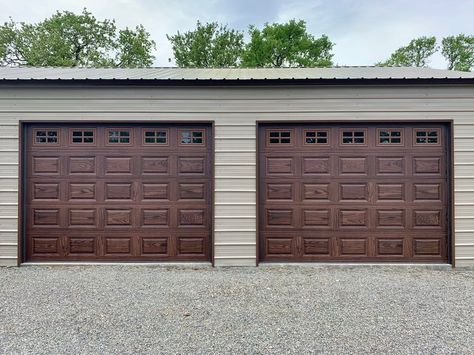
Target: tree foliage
{"points": [[286, 45], [459, 52], [209, 45], [69, 40], [415, 54]]}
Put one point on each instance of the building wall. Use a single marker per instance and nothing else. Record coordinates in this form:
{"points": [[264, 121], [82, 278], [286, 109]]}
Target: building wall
{"points": [[235, 112]]}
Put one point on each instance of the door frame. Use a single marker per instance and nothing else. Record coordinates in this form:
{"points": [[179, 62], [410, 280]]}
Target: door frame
{"points": [[22, 159], [448, 122]]}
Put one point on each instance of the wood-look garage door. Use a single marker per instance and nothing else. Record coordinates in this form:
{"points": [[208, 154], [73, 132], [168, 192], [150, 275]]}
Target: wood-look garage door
{"points": [[118, 192], [374, 192]]}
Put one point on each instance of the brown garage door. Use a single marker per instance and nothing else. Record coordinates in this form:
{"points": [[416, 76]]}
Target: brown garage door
{"points": [[118, 192], [353, 192]]}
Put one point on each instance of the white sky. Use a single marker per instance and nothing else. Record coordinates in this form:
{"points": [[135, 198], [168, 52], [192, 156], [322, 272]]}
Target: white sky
{"points": [[365, 31]]}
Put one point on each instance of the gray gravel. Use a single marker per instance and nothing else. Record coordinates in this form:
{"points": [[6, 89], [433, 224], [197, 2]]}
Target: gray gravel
{"points": [[139, 309]]}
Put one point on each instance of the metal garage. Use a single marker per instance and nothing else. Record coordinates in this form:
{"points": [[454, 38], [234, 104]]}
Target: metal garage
{"points": [[236, 167]]}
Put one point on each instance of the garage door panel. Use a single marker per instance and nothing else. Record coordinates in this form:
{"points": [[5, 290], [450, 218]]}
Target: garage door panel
{"points": [[119, 193], [364, 193]]}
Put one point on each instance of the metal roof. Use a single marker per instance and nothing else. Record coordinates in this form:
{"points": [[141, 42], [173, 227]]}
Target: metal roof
{"points": [[231, 74]]}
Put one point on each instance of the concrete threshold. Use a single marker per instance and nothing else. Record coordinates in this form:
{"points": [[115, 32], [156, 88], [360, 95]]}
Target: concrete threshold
{"points": [[269, 265], [173, 265]]}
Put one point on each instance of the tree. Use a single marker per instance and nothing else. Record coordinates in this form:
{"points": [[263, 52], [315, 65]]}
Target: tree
{"points": [[286, 45], [415, 54], [69, 40], [459, 52], [209, 45]]}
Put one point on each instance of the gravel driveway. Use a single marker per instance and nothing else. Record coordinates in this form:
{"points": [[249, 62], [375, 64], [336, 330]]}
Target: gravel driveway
{"points": [[139, 309]]}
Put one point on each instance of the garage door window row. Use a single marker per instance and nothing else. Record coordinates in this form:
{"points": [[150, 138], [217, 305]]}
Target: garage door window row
{"points": [[385, 136], [120, 137]]}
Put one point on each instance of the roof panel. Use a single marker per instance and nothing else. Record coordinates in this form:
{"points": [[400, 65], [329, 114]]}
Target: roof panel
{"points": [[49, 73]]}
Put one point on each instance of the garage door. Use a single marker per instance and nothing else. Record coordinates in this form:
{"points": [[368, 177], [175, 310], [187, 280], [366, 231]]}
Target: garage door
{"points": [[353, 193], [118, 192]]}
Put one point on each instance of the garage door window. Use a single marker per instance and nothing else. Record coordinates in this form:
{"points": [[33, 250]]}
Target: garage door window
{"points": [[191, 137], [118, 136], [153, 136], [46, 136], [316, 137], [279, 137], [353, 136], [80, 136], [389, 136], [427, 136]]}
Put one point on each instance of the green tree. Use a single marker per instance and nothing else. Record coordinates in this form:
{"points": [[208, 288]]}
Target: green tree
{"points": [[209, 45], [459, 52], [69, 40], [286, 45], [415, 54]]}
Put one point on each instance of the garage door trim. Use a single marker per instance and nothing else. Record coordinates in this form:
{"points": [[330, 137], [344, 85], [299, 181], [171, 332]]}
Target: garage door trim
{"points": [[449, 144], [22, 183]]}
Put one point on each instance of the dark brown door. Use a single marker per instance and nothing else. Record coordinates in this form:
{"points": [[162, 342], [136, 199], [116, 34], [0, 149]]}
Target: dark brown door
{"points": [[118, 192], [353, 192]]}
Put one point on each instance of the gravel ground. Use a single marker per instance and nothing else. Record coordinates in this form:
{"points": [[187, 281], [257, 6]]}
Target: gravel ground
{"points": [[139, 309]]}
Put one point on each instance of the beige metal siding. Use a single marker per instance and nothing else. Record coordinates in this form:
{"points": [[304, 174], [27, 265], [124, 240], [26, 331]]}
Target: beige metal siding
{"points": [[235, 112]]}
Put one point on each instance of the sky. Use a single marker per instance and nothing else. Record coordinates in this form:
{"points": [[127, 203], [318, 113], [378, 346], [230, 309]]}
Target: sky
{"points": [[364, 31]]}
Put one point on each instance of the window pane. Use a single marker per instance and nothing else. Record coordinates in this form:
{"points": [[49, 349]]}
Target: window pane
{"points": [[396, 134], [310, 140], [322, 134], [396, 140], [76, 140], [149, 134], [359, 140], [274, 140], [346, 140], [285, 140], [358, 134], [322, 140], [197, 134], [433, 134], [88, 140], [384, 134], [274, 134], [149, 140], [77, 133], [310, 134], [285, 134]]}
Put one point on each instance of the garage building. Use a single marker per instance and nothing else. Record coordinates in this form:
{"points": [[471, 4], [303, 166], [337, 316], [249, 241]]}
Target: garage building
{"points": [[236, 166]]}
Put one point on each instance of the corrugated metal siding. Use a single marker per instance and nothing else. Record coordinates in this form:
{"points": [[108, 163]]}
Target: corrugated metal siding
{"points": [[235, 112]]}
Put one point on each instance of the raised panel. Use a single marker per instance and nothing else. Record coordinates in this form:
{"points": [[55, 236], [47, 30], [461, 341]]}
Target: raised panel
{"points": [[430, 165], [354, 192], [155, 165], [279, 217], [390, 247], [316, 246], [355, 247], [390, 165], [82, 165], [427, 218], [46, 165], [122, 191], [319, 218], [390, 192], [155, 217], [191, 217], [316, 191], [155, 192], [426, 247], [316, 165], [353, 165], [117, 165], [82, 191], [280, 166], [191, 165], [82, 217], [353, 218], [187, 246], [191, 191], [118, 217], [279, 191], [427, 191], [154, 246], [391, 218], [81, 245], [45, 245], [46, 217], [279, 246], [118, 245], [45, 191]]}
